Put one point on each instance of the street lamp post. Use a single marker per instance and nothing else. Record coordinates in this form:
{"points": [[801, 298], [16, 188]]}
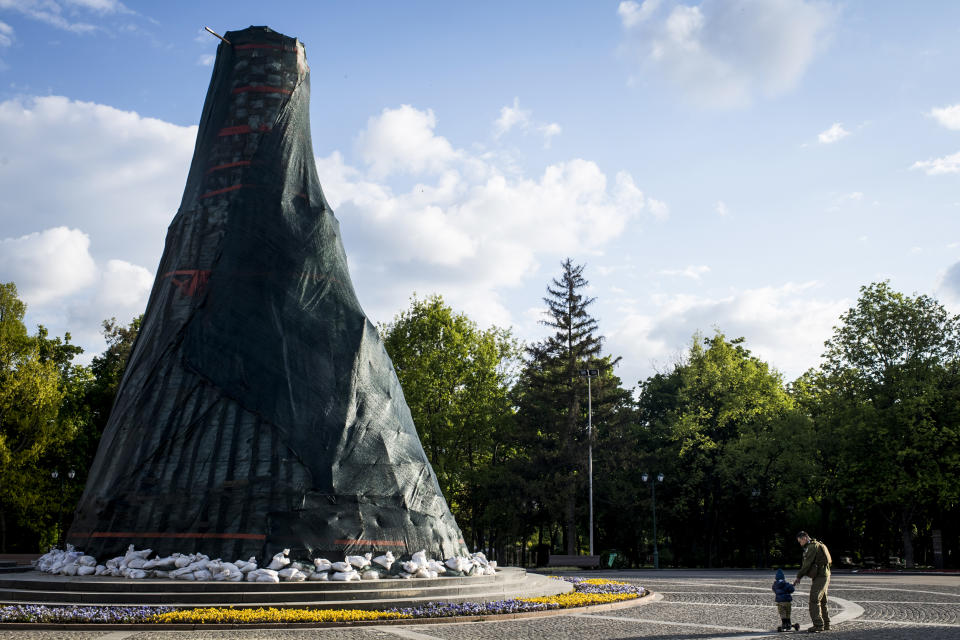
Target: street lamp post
{"points": [[56, 476], [588, 374], [653, 493]]}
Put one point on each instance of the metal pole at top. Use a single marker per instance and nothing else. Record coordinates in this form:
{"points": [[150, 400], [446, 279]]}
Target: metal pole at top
{"points": [[590, 454]]}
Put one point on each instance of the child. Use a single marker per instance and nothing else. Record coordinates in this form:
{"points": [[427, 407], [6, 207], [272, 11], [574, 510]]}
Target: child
{"points": [[783, 589]]}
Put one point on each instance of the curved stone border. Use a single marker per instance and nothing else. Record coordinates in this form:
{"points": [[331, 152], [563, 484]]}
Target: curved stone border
{"points": [[848, 610], [80, 626]]}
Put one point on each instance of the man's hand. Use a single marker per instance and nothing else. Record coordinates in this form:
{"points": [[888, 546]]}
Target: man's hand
{"points": [[796, 582]]}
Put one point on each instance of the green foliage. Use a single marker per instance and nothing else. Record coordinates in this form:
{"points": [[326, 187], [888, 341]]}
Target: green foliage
{"points": [[41, 409], [551, 398], [455, 379], [726, 434], [887, 402]]}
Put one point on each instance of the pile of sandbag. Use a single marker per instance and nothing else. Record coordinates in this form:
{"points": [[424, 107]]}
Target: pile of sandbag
{"points": [[137, 564]]}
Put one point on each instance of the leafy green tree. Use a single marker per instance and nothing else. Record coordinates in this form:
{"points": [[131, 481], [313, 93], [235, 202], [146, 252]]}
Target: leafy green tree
{"points": [[456, 380], [888, 403], [725, 432], [40, 408]]}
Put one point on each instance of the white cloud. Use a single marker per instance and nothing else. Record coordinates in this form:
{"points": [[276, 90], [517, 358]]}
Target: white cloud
{"points": [[949, 117], [114, 174], [47, 265], [659, 209], [633, 14], [469, 228], [785, 325], [402, 141], [722, 53], [692, 271], [950, 282], [513, 116], [834, 133], [64, 287], [206, 59], [549, 131], [721, 208], [49, 12], [6, 34], [939, 166]]}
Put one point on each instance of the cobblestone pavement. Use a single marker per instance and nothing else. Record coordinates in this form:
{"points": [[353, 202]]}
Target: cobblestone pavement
{"points": [[706, 605]]}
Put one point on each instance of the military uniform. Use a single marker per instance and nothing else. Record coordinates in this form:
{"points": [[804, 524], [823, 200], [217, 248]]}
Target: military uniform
{"points": [[816, 566]]}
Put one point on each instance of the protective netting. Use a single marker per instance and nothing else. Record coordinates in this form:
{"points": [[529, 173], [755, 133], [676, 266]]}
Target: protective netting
{"points": [[259, 410]]}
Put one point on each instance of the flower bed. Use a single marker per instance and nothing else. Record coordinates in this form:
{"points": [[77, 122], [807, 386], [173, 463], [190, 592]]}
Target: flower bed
{"points": [[586, 592], [106, 615]]}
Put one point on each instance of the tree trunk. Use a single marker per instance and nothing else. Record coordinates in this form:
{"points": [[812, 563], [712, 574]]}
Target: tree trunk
{"points": [[571, 529], [906, 530], [3, 531]]}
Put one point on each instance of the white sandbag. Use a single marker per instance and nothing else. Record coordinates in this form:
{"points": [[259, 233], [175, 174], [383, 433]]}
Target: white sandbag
{"points": [[409, 566], [360, 562], [492, 563], [267, 575], [423, 572], [186, 575], [489, 570], [113, 563], [319, 576], [115, 572], [386, 560], [436, 567], [87, 561], [420, 558], [370, 574], [100, 570], [458, 564], [475, 570], [86, 570], [136, 574], [70, 569], [180, 561], [246, 566], [136, 563], [341, 567], [321, 564], [405, 575], [280, 560], [292, 574], [345, 576], [202, 575], [161, 573]]}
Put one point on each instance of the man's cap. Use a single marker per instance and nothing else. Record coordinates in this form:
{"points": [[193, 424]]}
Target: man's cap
{"points": [[803, 534]]}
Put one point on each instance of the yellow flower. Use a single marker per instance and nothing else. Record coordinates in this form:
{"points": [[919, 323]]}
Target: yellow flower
{"points": [[230, 615]]}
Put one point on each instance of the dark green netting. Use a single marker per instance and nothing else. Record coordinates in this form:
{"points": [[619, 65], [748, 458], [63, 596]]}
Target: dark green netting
{"points": [[259, 409]]}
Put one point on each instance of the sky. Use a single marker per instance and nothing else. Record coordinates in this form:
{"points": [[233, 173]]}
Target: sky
{"points": [[742, 166]]}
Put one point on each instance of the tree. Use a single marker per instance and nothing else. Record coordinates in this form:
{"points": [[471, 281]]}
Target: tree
{"points": [[889, 380], [724, 431], [39, 411], [456, 380], [550, 396]]}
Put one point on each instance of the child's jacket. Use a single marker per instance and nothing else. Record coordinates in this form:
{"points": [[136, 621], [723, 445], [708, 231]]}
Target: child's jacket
{"points": [[782, 588]]}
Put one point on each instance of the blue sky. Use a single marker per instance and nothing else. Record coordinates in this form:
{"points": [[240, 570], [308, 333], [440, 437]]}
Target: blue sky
{"points": [[741, 165]]}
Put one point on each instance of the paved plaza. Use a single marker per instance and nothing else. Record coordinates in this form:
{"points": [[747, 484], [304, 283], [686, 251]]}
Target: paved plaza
{"points": [[725, 605]]}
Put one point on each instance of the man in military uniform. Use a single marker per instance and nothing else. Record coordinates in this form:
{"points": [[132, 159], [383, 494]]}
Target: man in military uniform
{"points": [[816, 564]]}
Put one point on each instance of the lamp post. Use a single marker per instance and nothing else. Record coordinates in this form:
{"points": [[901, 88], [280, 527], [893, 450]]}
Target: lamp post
{"points": [[56, 476], [653, 493], [588, 374]]}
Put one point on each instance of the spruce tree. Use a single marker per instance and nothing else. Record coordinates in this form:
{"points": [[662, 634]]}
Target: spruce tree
{"points": [[551, 400]]}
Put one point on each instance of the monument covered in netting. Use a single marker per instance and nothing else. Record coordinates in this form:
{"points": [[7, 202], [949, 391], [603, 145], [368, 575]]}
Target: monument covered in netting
{"points": [[259, 409]]}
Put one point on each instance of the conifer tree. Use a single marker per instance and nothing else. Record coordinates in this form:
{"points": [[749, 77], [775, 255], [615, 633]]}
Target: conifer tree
{"points": [[551, 400]]}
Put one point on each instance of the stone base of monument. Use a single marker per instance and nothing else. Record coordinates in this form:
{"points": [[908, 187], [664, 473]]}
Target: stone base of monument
{"points": [[42, 588]]}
